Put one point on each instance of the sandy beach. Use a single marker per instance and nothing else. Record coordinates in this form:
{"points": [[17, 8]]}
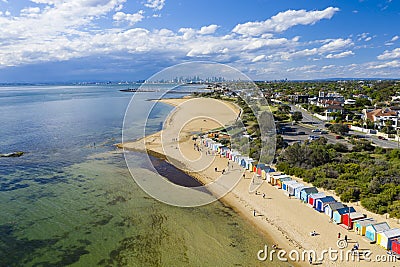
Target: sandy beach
{"points": [[283, 220]]}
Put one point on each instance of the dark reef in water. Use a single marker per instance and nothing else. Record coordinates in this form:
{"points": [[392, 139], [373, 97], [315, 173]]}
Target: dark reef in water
{"points": [[12, 154], [20, 252]]}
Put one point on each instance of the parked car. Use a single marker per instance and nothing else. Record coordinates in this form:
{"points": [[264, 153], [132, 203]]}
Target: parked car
{"points": [[301, 133], [316, 131], [313, 137], [381, 138], [338, 137], [324, 132]]}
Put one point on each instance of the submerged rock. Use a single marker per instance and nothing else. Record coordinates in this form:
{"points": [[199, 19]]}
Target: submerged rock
{"points": [[12, 154]]}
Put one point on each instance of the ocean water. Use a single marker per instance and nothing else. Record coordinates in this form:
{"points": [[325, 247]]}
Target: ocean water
{"points": [[70, 200]]}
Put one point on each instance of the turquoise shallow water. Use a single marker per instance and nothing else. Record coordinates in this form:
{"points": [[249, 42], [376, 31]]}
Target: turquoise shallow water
{"points": [[70, 199]]}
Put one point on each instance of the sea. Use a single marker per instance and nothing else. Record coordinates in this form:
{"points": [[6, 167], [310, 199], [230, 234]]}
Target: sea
{"points": [[71, 201]]}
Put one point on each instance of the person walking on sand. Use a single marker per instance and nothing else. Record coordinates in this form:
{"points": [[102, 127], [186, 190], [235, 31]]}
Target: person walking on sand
{"points": [[338, 235], [215, 169], [254, 213], [345, 238], [310, 259]]}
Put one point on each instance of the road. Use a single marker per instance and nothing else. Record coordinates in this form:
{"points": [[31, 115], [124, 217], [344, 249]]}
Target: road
{"points": [[292, 136], [308, 118], [308, 123], [382, 143]]}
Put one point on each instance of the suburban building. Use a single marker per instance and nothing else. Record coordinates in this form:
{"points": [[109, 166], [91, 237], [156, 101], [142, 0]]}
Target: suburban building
{"points": [[382, 117]]}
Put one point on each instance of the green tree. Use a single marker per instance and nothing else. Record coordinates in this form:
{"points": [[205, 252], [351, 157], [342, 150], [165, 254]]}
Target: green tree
{"points": [[284, 109], [362, 102], [339, 128], [297, 116], [280, 143], [394, 209]]}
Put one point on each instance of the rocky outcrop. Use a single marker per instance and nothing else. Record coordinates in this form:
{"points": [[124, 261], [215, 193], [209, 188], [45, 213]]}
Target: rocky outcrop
{"points": [[12, 154]]}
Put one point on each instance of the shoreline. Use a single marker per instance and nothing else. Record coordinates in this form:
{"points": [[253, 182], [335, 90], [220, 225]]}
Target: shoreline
{"points": [[281, 220]]}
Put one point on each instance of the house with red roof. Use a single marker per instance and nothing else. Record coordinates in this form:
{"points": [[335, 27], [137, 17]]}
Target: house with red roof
{"points": [[382, 117]]}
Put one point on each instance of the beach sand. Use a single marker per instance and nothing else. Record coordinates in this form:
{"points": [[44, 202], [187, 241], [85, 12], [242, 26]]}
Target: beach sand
{"points": [[286, 221]]}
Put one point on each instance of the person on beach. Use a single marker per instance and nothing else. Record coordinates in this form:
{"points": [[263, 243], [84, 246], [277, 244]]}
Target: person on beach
{"points": [[313, 233], [254, 213], [215, 169], [345, 238], [338, 235], [244, 176], [263, 195], [223, 171], [310, 259]]}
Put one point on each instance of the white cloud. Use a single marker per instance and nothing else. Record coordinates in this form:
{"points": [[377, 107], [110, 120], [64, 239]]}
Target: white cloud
{"points": [[335, 45], [155, 4], [392, 41], [298, 54], [47, 2], [258, 58], [305, 68], [390, 64], [188, 33], [395, 53], [210, 29], [50, 33], [205, 50], [30, 12], [296, 38], [362, 36], [340, 55], [331, 45], [256, 44], [285, 20], [131, 18], [328, 67]]}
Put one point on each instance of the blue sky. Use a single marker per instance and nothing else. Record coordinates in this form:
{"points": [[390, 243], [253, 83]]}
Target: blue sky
{"points": [[83, 40]]}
